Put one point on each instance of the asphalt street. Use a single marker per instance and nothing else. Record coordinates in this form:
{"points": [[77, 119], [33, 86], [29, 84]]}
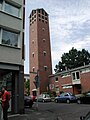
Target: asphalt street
{"points": [[57, 111]]}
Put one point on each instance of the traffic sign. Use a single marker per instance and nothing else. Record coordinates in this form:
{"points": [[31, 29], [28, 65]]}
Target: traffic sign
{"points": [[36, 81]]}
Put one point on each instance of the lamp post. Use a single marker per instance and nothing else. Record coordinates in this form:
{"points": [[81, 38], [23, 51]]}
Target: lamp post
{"points": [[36, 82]]}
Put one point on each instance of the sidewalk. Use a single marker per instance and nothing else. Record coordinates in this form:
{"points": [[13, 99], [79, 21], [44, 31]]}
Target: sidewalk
{"points": [[33, 114], [37, 117]]}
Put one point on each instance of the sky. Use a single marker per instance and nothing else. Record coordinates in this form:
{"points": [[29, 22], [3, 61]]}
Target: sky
{"points": [[69, 24]]}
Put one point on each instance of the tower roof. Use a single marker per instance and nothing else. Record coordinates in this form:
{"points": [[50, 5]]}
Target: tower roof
{"points": [[38, 9]]}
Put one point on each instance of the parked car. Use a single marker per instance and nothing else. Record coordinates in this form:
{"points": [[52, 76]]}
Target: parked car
{"points": [[28, 101], [65, 97], [43, 98], [85, 98], [87, 117]]}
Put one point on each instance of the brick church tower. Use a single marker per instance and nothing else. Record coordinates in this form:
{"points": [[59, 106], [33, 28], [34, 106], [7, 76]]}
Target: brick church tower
{"points": [[40, 50]]}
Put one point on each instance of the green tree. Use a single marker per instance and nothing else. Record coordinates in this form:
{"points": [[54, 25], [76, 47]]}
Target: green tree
{"points": [[27, 86], [73, 59]]}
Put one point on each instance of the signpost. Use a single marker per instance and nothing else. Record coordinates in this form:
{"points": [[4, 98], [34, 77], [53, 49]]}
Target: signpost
{"points": [[36, 81]]}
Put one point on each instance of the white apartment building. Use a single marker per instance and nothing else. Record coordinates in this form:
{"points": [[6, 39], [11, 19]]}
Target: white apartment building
{"points": [[12, 13]]}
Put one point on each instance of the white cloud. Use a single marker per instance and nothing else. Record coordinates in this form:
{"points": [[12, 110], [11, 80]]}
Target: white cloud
{"points": [[69, 25]]}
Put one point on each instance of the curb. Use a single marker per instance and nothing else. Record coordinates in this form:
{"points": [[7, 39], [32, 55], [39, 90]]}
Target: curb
{"points": [[17, 117]]}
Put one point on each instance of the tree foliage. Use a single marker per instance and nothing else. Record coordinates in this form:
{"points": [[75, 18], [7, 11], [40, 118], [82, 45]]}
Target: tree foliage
{"points": [[73, 59], [27, 87]]}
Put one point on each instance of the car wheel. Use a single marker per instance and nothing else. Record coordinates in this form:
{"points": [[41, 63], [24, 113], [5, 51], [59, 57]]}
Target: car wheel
{"points": [[56, 101], [43, 101], [79, 101], [68, 101]]}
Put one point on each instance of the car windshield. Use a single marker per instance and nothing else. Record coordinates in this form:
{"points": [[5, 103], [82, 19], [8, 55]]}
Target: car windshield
{"points": [[45, 95], [71, 94]]}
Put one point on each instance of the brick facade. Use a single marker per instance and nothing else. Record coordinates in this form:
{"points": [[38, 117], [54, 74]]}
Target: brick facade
{"points": [[40, 51], [75, 80]]}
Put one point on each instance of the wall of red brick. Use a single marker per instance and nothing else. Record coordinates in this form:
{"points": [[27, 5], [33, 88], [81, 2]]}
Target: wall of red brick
{"points": [[85, 81], [41, 31]]}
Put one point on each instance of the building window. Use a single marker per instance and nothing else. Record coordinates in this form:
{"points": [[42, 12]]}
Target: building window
{"points": [[76, 75], [12, 10], [43, 21], [45, 18], [32, 41], [33, 69], [39, 15], [44, 40], [44, 53], [57, 89], [1, 1], [66, 86], [9, 38], [43, 29], [32, 30], [33, 54], [42, 17], [34, 16], [65, 75], [56, 79], [45, 14], [45, 68], [39, 10], [42, 11]]}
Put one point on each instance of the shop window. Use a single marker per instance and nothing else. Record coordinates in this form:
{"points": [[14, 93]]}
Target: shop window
{"points": [[6, 80], [13, 10], [10, 38], [76, 75]]}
